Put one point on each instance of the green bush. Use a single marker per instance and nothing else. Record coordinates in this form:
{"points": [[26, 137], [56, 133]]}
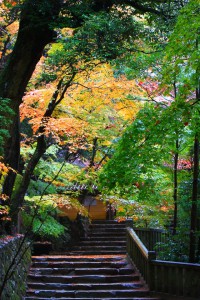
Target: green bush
{"points": [[39, 217]]}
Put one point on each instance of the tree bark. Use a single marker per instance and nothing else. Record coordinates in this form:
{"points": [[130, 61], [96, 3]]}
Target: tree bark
{"points": [[33, 35], [94, 151], [175, 195], [35, 32], [13, 155], [194, 208], [41, 147]]}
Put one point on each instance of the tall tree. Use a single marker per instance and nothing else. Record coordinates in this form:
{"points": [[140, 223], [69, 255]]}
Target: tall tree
{"points": [[36, 30], [183, 64], [34, 34]]}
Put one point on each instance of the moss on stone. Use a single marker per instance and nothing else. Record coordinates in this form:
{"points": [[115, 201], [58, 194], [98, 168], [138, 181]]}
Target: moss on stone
{"points": [[15, 286]]}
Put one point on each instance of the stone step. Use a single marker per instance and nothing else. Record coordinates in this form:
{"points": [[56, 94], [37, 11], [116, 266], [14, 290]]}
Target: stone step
{"points": [[57, 294], [107, 222], [84, 286], [114, 225], [75, 264], [104, 243], [82, 298], [94, 269], [105, 238], [95, 252], [97, 248], [107, 228], [81, 271], [82, 278], [85, 258], [117, 232], [108, 236]]}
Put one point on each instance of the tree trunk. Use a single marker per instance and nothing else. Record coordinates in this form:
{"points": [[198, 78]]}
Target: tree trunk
{"points": [[17, 200], [175, 195], [41, 147], [13, 155], [194, 208], [94, 151], [33, 35]]}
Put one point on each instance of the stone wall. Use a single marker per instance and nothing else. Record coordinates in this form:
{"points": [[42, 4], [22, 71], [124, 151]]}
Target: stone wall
{"points": [[16, 285]]}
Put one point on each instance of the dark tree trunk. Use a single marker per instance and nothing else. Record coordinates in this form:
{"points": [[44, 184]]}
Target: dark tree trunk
{"points": [[33, 35], [35, 32], [175, 169], [194, 208], [18, 198], [175, 195], [94, 151]]}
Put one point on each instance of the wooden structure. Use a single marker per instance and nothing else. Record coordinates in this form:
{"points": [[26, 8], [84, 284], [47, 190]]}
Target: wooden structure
{"points": [[97, 210], [173, 278]]}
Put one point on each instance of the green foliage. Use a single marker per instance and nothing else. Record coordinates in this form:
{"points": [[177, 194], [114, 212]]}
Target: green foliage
{"points": [[36, 188], [103, 37], [141, 152], [182, 54], [5, 112], [146, 56], [50, 170], [48, 228], [106, 35], [39, 214], [141, 168], [47, 170], [143, 214], [144, 157], [175, 248]]}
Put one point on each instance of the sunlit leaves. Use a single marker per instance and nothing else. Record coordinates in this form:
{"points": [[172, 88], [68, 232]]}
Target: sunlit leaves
{"points": [[138, 165], [3, 168], [96, 105], [182, 57], [39, 214]]}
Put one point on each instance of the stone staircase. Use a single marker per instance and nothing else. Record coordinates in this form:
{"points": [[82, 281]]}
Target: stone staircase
{"points": [[105, 237], [95, 269]]}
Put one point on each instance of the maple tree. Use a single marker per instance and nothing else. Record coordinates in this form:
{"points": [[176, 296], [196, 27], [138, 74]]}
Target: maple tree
{"points": [[73, 56], [36, 30], [59, 102], [175, 114], [84, 48], [78, 129], [65, 79], [184, 65]]}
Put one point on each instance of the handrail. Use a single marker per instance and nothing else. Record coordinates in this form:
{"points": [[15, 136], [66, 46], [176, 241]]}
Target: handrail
{"points": [[139, 254], [140, 245], [152, 237], [174, 278]]}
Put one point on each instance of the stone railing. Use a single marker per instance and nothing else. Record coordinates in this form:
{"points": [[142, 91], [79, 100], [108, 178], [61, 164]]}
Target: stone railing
{"points": [[15, 259]]}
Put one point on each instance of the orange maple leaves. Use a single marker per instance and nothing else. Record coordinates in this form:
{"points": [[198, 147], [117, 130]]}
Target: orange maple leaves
{"points": [[91, 104]]}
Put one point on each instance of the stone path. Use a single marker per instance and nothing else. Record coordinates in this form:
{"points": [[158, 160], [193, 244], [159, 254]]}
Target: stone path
{"points": [[95, 269]]}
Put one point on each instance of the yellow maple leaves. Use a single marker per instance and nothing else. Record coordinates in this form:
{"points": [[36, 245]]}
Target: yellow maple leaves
{"points": [[3, 169], [94, 105]]}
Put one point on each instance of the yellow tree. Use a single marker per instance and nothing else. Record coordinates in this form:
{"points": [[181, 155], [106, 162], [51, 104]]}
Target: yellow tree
{"points": [[95, 108]]}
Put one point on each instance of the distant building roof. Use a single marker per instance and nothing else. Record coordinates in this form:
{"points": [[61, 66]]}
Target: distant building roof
{"points": [[81, 187]]}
